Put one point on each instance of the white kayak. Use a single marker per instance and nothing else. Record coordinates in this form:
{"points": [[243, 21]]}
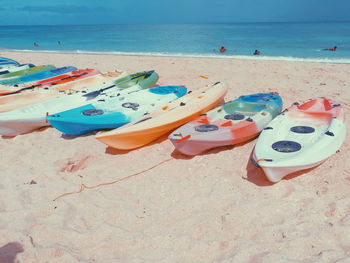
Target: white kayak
{"points": [[29, 118], [34, 95], [15, 68], [300, 138]]}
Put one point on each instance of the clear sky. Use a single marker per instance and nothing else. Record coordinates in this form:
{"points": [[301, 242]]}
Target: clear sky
{"points": [[46, 12]]}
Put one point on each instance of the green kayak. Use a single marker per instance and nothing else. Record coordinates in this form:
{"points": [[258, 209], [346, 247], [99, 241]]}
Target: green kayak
{"points": [[27, 71], [143, 79]]}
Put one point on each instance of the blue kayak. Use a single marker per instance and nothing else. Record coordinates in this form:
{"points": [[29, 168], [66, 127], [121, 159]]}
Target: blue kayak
{"points": [[114, 111], [37, 76], [5, 62]]}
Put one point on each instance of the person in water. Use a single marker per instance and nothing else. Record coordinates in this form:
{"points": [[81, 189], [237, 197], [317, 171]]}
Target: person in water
{"points": [[222, 49], [331, 48], [256, 52], [59, 43], [36, 44]]}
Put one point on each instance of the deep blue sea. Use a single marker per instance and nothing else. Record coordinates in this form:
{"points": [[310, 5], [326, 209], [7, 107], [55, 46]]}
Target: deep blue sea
{"points": [[282, 41]]}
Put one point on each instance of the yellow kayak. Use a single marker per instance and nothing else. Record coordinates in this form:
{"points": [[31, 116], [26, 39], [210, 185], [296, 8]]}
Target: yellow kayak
{"points": [[164, 120]]}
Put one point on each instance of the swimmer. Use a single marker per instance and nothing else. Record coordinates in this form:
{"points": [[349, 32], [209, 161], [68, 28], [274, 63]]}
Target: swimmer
{"points": [[222, 49], [331, 48]]}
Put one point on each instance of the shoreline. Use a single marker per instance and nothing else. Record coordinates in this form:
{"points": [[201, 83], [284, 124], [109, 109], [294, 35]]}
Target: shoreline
{"points": [[182, 55]]}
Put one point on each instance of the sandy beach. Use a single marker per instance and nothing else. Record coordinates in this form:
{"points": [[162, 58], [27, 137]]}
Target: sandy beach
{"points": [[215, 207]]}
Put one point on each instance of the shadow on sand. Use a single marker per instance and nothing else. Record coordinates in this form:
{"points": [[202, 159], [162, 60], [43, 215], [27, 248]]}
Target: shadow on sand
{"points": [[177, 155], [256, 175], [9, 252], [72, 137], [41, 129], [113, 151], [7, 137]]}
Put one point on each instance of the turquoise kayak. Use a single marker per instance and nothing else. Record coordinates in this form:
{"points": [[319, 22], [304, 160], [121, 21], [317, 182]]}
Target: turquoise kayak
{"points": [[37, 76], [113, 110]]}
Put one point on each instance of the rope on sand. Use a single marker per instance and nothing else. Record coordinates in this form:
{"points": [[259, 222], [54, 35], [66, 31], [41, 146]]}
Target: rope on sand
{"points": [[83, 186]]}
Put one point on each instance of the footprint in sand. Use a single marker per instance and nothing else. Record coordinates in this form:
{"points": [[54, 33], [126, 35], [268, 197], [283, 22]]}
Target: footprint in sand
{"points": [[72, 165]]}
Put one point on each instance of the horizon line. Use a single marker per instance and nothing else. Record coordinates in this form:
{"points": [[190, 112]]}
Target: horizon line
{"points": [[197, 23]]}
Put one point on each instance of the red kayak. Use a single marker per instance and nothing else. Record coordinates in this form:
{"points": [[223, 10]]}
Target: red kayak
{"points": [[71, 76], [57, 80]]}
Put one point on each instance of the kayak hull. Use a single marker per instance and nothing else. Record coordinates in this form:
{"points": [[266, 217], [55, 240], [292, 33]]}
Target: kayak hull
{"points": [[37, 76], [15, 69], [234, 122], [114, 111], [26, 98], [25, 72], [26, 119], [302, 137], [160, 122]]}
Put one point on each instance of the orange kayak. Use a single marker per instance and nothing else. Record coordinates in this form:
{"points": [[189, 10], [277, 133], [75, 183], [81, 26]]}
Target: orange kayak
{"points": [[164, 120]]}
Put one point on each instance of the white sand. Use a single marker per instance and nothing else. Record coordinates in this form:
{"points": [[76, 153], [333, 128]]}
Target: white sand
{"points": [[215, 207]]}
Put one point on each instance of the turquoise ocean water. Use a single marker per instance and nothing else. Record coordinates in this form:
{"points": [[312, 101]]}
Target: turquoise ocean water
{"points": [[283, 41]]}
